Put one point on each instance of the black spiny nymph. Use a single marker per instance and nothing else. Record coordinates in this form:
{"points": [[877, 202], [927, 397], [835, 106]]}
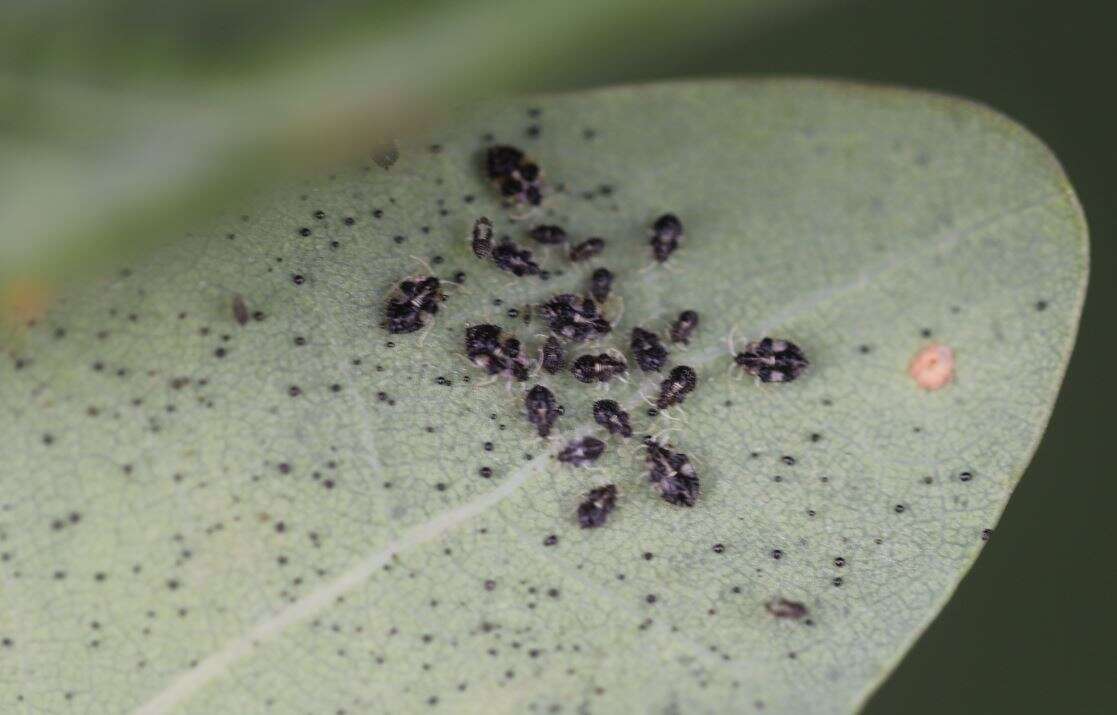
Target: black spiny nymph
{"points": [[684, 326], [548, 234], [489, 348], [518, 179], [773, 360], [600, 368], [596, 506], [601, 283], [671, 474], [542, 410], [552, 356], [666, 235], [674, 389], [574, 317], [609, 415], [411, 304], [587, 249], [649, 352], [518, 261], [482, 237], [581, 452]]}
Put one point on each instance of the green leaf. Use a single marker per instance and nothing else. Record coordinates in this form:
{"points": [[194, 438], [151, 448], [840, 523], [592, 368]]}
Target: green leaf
{"points": [[183, 530], [120, 119]]}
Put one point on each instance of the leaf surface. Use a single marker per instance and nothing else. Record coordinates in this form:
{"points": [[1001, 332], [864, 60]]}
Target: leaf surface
{"points": [[290, 516]]}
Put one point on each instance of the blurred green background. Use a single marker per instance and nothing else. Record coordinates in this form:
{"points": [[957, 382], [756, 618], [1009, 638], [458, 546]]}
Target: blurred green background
{"points": [[195, 93]]}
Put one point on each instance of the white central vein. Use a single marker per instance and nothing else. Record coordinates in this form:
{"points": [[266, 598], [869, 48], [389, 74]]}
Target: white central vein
{"points": [[322, 597], [219, 662]]}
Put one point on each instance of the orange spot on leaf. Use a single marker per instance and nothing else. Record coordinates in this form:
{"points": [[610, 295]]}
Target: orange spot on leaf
{"points": [[932, 367]]}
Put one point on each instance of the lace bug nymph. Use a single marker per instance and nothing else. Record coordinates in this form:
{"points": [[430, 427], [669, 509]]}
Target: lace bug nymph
{"points": [[574, 317], [542, 410], [673, 390], [587, 249], [582, 452], [601, 284], [684, 326], [519, 180], [548, 234], [518, 261], [609, 415], [552, 359], [411, 304], [482, 238], [671, 474], [649, 352], [597, 368], [784, 608], [773, 360], [496, 353], [666, 235], [596, 506]]}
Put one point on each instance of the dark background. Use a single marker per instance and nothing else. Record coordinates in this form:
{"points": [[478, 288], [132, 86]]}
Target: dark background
{"points": [[1031, 628]]}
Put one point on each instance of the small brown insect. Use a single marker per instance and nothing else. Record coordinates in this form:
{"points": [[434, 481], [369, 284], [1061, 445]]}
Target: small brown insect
{"points": [[587, 249], [518, 261], [671, 474], [518, 178], [773, 360], [582, 452], [495, 352], [649, 352], [599, 368], [542, 410], [601, 283], [548, 234], [666, 235], [482, 237], [411, 304], [574, 317], [483, 338], [609, 415], [552, 359], [783, 608], [679, 383], [596, 506], [684, 326], [240, 310]]}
